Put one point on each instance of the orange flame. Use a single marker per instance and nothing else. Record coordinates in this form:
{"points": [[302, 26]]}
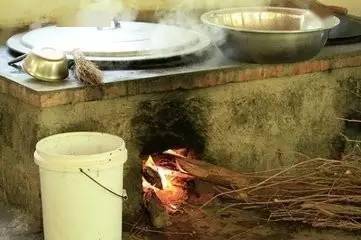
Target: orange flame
{"points": [[174, 191]]}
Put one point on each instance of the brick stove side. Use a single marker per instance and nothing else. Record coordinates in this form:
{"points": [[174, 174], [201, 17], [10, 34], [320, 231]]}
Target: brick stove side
{"points": [[244, 126]]}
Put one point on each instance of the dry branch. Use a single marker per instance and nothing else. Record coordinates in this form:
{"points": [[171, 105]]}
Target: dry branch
{"points": [[319, 192]]}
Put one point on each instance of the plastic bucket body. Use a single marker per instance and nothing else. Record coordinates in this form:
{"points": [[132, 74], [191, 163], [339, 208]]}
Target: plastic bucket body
{"points": [[81, 176]]}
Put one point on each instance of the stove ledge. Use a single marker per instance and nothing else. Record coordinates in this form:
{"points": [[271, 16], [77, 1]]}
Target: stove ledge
{"points": [[215, 70]]}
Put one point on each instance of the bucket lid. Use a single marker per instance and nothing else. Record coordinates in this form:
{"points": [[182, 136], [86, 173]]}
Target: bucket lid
{"points": [[80, 149]]}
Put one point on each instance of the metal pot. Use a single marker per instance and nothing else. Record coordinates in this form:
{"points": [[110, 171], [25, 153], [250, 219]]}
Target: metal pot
{"points": [[270, 34], [46, 64]]}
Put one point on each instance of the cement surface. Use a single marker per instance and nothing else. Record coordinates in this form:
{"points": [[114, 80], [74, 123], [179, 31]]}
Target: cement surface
{"points": [[213, 60], [234, 224], [208, 71], [14, 225]]}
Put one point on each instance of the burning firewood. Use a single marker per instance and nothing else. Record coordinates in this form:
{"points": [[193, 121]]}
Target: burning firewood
{"points": [[209, 172], [151, 174], [319, 192], [166, 177], [168, 185]]}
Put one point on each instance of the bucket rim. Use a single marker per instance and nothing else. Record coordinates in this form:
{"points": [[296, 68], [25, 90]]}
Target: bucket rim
{"points": [[82, 157]]}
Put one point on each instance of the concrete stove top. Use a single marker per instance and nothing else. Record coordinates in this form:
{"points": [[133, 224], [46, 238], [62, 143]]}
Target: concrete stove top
{"points": [[210, 71]]}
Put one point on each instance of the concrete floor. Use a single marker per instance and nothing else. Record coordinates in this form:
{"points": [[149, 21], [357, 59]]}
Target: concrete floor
{"points": [[212, 223], [14, 225]]}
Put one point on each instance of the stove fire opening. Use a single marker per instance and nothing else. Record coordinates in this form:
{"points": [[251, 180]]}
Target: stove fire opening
{"points": [[174, 187], [164, 181]]}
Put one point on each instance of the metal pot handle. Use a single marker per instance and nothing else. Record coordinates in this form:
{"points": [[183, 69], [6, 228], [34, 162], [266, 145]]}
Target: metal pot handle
{"points": [[16, 60]]}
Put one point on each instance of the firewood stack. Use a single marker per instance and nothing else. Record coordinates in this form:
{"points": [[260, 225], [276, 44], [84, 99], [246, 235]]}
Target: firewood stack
{"points": [[319, 192]]}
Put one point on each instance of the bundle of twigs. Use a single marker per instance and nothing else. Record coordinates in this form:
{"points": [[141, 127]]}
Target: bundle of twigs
{"points": [[319, 192], [85, 70]]}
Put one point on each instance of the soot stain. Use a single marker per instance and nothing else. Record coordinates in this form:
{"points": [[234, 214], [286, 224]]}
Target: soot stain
{"points": [[170, 122]]}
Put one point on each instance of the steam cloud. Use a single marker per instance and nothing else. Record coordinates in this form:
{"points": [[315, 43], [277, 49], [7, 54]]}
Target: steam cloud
{"points": [[99, 13]]}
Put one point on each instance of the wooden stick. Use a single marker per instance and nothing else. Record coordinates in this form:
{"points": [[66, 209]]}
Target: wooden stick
{"points": [[212, 173], [152, 177]]}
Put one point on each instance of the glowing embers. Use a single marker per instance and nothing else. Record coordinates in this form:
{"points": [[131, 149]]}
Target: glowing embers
{"points": [[163, 177]]}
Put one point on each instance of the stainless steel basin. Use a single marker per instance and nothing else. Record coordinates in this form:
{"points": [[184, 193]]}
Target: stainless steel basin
{"points": [[270, 34]]}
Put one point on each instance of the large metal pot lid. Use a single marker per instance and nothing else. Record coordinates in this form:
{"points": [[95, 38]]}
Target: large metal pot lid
{"points": [[132, 41]]}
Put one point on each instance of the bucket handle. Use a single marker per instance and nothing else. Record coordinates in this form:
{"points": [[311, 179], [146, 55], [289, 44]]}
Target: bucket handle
{"points": [[124, 195]]}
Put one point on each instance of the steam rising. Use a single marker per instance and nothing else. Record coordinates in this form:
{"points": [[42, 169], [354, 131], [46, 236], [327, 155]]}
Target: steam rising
{"points": [[99, 13], [185, 13]]}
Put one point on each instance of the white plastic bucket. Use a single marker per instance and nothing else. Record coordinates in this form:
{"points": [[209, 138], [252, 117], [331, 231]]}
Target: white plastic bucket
{"points": [[81, 177]]}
